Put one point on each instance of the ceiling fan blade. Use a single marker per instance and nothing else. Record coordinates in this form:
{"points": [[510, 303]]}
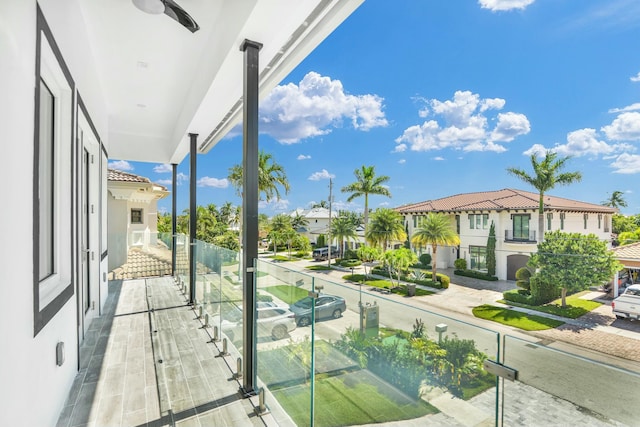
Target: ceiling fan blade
{"points": [[174, 11]]}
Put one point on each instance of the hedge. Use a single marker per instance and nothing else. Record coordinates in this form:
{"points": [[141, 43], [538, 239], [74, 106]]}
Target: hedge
{"points": [[442, 283], [518, 295], [350, 263], [475, 275]]}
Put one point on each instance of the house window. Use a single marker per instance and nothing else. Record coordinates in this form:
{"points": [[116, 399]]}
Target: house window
{"points": [[521, 227], [585, 217], [478, 255], [549, 218], [136, 216], [562, 215], [46, 182], [606, 223], [599, 221], [478, 221]]}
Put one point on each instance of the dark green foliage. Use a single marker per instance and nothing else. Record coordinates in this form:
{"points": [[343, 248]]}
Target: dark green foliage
{"points": [[425, 259], [350, 254], [491, 251], [518, 295], [442, 282], [263, 297], [543, 292], [350, 263], [475, 274], [460, 264], [321, 241], [418, 329], [523, 277]]}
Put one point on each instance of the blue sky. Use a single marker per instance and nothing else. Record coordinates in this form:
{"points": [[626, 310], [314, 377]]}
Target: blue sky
{"points": [[443, 96]]}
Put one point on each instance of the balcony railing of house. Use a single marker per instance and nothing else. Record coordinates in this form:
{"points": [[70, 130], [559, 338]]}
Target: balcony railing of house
{"points": [[519, 236], [363, 358]]}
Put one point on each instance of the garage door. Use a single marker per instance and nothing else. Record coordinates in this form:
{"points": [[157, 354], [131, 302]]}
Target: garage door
{"points": [[514, 263]]}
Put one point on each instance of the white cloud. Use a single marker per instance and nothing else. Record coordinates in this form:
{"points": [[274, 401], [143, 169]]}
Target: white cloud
{"points": [[279, 205], [584, 142], [510, 126], [402, 161], [438, 158], [462, 123], [121, 165], [400, 148], [635, 78], [315, 106], [537, 149], [625, 127], [341, 205], [304, 157], [633, 107], [500, 5], [323, 174], [180, 178], [164, 181], [163, 168], [207, 181], [384, 204], [627, 164]]}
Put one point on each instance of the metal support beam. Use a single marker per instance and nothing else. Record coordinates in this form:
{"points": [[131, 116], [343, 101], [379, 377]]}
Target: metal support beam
{"points": [[250, 194], [174, 216], [192, 217]]}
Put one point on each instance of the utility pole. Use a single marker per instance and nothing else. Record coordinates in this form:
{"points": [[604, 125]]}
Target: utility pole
{"points": [[329, 231]]}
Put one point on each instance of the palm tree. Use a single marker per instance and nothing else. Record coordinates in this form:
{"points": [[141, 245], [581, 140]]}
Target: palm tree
{"points": [[616, 200], [367, 183], [343, 228], [298, 221], [386, 226], [322, 204], [271, 175], [546, 175], [436, 230]]}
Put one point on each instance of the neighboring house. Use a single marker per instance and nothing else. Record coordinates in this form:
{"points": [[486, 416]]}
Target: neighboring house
{"points": [[132, 213], [629, 257], [515, 215], [317, 222]]}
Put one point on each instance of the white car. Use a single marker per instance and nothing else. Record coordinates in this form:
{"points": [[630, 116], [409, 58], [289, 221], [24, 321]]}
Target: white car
{"points": [[627, 305], [273, 321]]}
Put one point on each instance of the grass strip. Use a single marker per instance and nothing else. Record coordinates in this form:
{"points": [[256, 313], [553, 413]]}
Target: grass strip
{"points": [[287, 293], [527, 322], [575, 308]]}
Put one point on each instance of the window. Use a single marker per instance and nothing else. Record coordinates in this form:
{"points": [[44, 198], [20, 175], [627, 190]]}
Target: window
{"points": [[478, 221], [599, 221], [585, 217], [136, 216], [562, 215], [606, 223], [478, 256], [46, 181], [53, 252], [549, 218], [521, 227]]}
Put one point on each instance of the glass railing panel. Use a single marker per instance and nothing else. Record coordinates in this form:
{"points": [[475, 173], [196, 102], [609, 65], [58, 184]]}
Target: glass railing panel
{"points": [[182, 260], [284, 349], [558, 388], [379, 359]]}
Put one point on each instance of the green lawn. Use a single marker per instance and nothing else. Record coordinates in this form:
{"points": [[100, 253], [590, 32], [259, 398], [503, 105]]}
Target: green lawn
{"points": [[575, 308], [348, 400], [287, 293], [514, 318], [318, 267], [383, 284]]}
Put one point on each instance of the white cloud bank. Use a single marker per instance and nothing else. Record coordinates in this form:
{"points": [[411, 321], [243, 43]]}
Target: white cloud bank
{"points": [[121, 165], [502, 5], [323, 174], [313, 107], [635, 78], [303, 157], [207, 181], [163, 168], [463, 123], [180, 178]]}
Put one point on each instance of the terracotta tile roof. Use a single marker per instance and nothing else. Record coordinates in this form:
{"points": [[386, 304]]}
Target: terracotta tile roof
{"points": [[500, 200], [120, 176], [631, 251]]}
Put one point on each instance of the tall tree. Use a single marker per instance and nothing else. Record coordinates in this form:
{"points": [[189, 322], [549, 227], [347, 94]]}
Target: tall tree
{"points": [[398, 261], [280, 230], [573, 262], [368, 255], [298, 221], [546, 175], [271, 176], [343, 228], [491, 251], [321, 204], [436, 230], [616, 200], [367, 183], [386, 226]]}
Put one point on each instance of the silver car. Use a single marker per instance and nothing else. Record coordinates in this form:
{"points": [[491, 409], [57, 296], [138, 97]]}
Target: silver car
{"points": [[273, 321]]}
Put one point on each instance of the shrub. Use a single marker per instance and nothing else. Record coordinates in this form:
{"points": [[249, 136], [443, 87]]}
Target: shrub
{"points": [[350, 254], [475, 274], [350, 263], [425, 259], [523, 277], [460, 264], [444, 280], [301, 254], [542, 292], [519, 296]]}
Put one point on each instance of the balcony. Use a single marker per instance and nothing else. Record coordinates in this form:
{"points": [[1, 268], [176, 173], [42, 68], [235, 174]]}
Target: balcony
{"points": [[519, 236], [154, 359]]}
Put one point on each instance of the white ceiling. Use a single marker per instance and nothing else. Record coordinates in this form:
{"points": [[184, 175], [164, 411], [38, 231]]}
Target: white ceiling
{"points": [[162, 82]]}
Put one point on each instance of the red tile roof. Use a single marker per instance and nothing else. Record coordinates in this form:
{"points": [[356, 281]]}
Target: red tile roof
{"points": [[120, 176], [500, 200], [631, 251]]}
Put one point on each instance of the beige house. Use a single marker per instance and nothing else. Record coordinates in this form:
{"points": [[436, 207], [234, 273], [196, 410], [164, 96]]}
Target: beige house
{"points": [[515, 216], [132, 213], [629, 257]]}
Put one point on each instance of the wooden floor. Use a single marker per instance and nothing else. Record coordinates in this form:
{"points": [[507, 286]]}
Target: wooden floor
{"points": [[147, 361]]}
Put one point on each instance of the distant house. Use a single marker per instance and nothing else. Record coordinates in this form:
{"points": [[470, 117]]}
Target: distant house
{"points": [[515, 215], [132, 219], [317, 222]]}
